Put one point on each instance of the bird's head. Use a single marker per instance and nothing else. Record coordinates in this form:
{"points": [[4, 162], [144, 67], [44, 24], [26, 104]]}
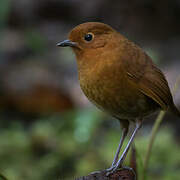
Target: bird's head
{"points": [[89, 36]]}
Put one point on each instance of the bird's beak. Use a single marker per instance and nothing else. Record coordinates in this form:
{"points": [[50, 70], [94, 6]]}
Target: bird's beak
{"points": [[66, 43]]}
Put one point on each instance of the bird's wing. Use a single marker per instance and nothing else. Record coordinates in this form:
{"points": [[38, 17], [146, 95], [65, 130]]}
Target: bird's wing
{"points": [[148, 78]]}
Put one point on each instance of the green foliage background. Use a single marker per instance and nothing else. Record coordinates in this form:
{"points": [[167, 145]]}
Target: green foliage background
{"points": [[69, 145]]}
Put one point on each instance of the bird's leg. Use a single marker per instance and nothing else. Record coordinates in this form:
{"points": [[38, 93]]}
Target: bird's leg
{"points": [[125, 127], [124, 134], [120, 161]]}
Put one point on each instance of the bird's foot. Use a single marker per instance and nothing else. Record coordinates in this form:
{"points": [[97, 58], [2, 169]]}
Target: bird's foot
{"points": [[95, 172], [112, 169]]}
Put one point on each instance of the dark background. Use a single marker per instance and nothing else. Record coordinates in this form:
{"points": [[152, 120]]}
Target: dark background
{"points": [[48, 129]]}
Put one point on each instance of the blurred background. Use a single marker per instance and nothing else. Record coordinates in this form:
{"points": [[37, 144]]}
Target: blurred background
{"points": [[48, 129]]}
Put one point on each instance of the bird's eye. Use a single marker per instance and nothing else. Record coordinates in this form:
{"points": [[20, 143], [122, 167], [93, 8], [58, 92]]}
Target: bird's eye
{"points": [[89, 37]]}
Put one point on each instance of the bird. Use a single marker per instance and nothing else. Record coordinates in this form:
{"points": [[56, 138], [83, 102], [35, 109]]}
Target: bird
{"points": [[118, 77]]}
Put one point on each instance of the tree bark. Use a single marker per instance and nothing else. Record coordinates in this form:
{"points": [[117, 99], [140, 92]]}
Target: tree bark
{"points": [[121, 174]]}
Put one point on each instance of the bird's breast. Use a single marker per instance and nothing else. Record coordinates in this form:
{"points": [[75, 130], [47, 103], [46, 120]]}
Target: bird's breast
{"points": [[116, 96]]}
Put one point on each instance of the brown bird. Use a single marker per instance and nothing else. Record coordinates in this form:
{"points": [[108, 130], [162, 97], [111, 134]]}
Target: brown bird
{"points": [[118, 77]]}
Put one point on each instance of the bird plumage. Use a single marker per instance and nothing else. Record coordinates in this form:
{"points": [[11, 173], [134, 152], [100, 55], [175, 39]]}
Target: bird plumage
{"points": [[119, 77]]}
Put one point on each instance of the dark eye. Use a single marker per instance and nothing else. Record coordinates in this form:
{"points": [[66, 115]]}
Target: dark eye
{"points": [[88, 37]]}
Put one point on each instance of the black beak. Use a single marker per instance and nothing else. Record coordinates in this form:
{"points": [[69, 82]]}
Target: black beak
{"points": [[66, 43]]}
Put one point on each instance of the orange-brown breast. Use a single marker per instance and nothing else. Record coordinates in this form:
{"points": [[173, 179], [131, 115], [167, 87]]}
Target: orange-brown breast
{"points": [[105, 82]]}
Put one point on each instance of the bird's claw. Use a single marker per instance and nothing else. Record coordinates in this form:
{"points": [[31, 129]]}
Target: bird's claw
{"points": [[111, 170], [95, 172]]}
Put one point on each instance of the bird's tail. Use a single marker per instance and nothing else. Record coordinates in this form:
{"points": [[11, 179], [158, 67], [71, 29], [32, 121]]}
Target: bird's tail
{"points": [[175, 111]]}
